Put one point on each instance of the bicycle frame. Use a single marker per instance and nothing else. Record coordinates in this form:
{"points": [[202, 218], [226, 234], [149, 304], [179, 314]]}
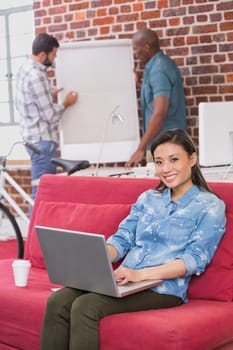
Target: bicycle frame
{"points": [[6, 177]]}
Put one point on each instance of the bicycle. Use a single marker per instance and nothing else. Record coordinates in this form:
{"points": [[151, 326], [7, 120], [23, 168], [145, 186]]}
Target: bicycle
{"points": [[8, 222]]}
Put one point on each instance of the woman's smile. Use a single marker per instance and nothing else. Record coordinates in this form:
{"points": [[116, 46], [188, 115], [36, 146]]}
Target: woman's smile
{"points": [[170, 178]]}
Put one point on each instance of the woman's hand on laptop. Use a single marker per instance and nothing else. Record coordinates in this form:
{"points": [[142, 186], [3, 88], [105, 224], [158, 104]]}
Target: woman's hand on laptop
{"points": [[172, 269], [124, 275]]}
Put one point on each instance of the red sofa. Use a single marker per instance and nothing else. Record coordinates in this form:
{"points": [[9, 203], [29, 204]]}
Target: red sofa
{"points": [[97, 205]]}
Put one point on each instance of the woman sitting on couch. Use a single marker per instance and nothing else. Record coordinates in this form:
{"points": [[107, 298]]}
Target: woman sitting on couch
{"points": [[171, 233]]}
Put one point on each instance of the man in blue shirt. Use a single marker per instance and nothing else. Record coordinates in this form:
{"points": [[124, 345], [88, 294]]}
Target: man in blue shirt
{"points": [[162, 93]]}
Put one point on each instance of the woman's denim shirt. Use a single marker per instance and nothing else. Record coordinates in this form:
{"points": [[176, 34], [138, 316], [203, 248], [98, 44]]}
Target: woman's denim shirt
{"points": [[159, 230]]}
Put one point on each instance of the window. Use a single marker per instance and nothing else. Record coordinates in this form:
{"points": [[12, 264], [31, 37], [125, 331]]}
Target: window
{"points": [[16, 35]]}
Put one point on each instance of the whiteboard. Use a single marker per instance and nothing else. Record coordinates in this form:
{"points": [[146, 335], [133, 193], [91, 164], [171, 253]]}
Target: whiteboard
{"points": [[215, 125], [102, 74]]}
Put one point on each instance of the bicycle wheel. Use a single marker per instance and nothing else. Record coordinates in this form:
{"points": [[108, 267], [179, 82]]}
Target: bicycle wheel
{"points": [[9, 228]]}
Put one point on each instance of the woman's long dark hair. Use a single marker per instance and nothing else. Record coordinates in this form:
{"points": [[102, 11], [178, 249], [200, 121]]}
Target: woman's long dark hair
{"points": [[181, 138]]}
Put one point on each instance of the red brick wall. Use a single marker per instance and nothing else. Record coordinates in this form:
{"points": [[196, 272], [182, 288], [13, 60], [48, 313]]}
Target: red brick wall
{"points": [[198, 34]]}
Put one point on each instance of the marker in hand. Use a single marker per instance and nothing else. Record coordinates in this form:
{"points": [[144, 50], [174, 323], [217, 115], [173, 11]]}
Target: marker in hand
{"points": [[70, 99]]}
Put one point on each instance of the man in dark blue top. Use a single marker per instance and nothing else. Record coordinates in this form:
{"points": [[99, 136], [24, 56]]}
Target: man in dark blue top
{"points": [[162, 93]]}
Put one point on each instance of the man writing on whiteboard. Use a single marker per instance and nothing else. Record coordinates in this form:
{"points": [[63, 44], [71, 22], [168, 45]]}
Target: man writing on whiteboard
{"points": [[38, 107], [162, 93]]}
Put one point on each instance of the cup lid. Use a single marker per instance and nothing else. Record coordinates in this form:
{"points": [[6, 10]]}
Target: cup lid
{"points": [[20, 262]]}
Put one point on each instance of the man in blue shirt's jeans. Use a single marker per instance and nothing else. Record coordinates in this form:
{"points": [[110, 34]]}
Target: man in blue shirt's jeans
{"points": [[162, 93]]}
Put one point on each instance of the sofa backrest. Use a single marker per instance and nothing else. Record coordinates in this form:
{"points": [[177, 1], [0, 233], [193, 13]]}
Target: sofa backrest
{"points": [[88, 190], [97, 204]]}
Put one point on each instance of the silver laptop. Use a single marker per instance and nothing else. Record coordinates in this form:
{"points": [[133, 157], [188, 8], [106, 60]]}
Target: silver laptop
{"points": [[81, 260]]}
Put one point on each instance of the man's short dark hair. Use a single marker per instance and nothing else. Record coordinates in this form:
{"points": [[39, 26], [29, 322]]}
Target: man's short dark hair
{"points": [[44, 42]]}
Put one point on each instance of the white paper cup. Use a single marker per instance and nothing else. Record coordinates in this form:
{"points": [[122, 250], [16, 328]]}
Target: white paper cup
{"points": [[21, 272]]}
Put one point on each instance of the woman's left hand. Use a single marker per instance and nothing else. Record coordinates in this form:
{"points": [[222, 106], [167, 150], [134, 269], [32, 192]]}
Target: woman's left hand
{"points": [[124, 275]]}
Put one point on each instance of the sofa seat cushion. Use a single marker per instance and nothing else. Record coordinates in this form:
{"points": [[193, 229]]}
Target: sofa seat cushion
{"points": [[103, 219], [22, 308], [191, 326], [183, 327]]}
